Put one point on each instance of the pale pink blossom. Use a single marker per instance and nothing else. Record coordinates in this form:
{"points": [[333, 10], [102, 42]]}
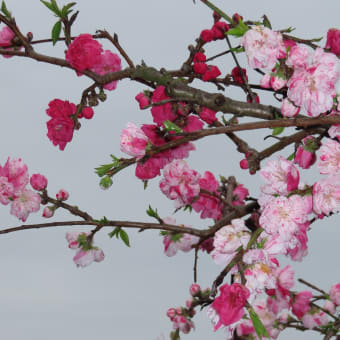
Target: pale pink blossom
{"points": [[285, 277], [228, 239], [300, 304], [299, 249], [281, 176], [334, 294], [108, 62], [315, 318], [84, 258], [229, 305], [180, 183], [329, 306], [62, 195], [283, 215], [133, 141], [72, 238], [298, 56], [288, 109], [277, 82], [329, 157], [38, 182], [313, 87], [334, 131], [326, 195], [263, 47], [6, 190], [48, 212], [265, 81], [26, 202]]}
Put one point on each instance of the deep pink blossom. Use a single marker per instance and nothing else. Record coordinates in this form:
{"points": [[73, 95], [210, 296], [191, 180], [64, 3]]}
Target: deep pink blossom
{"points": [[108, 62], [193, 123], [207, 115], [207, 35], [27, 202], [84, 52], [208, 205], [313, 87], [143, 100], [6, 36], [38, 182], [263, 47], [180, 183], [236, 74], [300, 304], [133, 141], [160, 113], [240, 193], [334, 294], [87, 112], [333, 41], [218, 30], [211, 73], [229, 305], [200, 68]]}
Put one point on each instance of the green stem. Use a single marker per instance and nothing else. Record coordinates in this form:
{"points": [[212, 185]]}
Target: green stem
{"points": [[217, 10]]}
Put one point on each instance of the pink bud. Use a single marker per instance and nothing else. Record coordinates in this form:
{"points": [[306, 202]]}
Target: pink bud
{"points": [[38, 182], [195, 289], [62, 195], [304, 158], [179, 310], [188, 303], [171, 313], [47, 212], [207, 35], [143, 100], [200, 68], [87, 112], [244, 164]]}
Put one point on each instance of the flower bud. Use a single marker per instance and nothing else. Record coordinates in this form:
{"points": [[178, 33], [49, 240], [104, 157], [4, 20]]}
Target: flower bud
{"points": [[195, 289], [105, 182], [38, 182]]}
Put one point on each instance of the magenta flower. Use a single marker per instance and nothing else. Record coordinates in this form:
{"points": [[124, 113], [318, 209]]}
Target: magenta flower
{"points": [[230, 304], [333, 41], [84, 52], [38, 182], [300, 305]]}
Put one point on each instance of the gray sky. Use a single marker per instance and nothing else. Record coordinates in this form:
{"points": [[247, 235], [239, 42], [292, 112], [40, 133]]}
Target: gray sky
{"points": [[42, 294]]}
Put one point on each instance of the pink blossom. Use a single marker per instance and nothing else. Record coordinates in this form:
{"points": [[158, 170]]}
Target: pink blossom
{"points": [[281, 176], [298, 56], [263, 47], [6, 36], [313, 87], [143, 100], [193, 123], [334, 294], [300, 304], [208, 205], [6, 190], [62, 195], [333, 41], [329, 157], [326, 195], [207, 115], [315, 318], [211, 73], [283, 215], [194, 289], [27, 202], [84, 52], [288, 109], [84, 258], [265, 81], [228, 239], [72, 238], [133, 141], [108, 62], [329, 306], [47, 212], [180, 183], [277, 82], [229, 305], [285, 277], [240, 193], [305, 154], [161, 113], [151, 167], [38, 182], [334, 131]]}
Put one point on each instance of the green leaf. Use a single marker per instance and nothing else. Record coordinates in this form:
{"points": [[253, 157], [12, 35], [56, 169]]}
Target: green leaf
{"points": [[170, 126], [5, 10], [258, 325], [83, 242], [266, 22], [188, 207], [239, 30], [291, 157], [114, 232], [103, 169], [176, 237], [66, 9], [152, 213], [124, 237], [237, 49], [56, 32], [277, 130], [52, 7], [116, 161], [145, 184]]}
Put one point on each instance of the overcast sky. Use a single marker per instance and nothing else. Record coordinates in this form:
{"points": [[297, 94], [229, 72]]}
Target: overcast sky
{"points": [[42, 293]]}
